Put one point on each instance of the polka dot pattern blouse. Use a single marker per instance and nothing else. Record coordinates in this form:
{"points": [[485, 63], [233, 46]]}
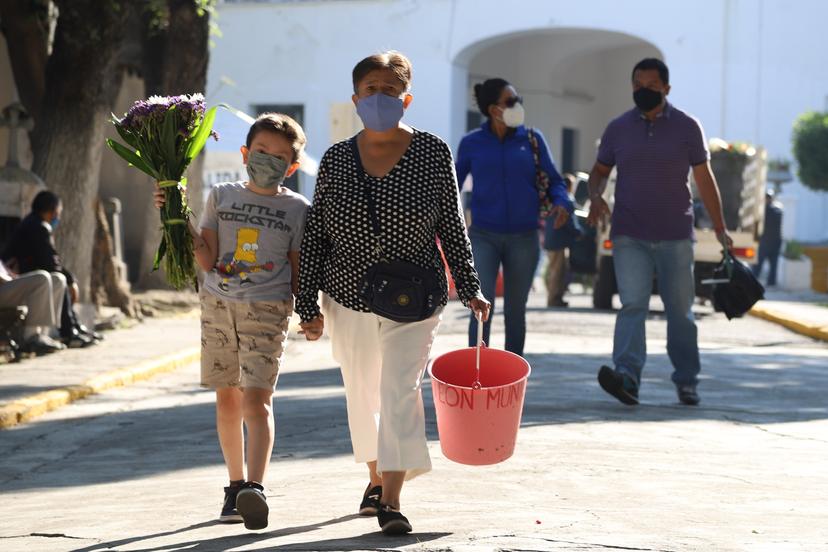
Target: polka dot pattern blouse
{"points": [[417, 202]]}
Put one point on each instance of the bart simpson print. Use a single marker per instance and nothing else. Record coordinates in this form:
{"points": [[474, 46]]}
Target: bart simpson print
{"points": [[244, 259]]}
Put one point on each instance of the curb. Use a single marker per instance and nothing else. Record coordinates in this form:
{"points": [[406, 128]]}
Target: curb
{"points": [[29, 407], [811, 330]]}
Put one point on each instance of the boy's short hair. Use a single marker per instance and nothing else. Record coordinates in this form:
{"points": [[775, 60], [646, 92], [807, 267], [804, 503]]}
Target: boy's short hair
{"points": [[393, 60], [280, 124]]}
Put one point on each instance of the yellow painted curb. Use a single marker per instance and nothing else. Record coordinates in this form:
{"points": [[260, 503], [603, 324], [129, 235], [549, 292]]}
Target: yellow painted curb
{"points": [[811, 330], [27, 408]]}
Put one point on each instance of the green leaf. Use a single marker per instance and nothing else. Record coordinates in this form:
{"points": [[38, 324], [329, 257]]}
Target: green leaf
{"points": [[131, 157], [127, 137], [162, 250], [202, 134]]}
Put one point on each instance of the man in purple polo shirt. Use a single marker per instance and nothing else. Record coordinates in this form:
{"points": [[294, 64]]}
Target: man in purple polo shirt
{"points": [[654, 146]]}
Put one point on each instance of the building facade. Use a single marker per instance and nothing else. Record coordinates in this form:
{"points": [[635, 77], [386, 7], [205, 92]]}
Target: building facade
{"points": [[745, 68]]}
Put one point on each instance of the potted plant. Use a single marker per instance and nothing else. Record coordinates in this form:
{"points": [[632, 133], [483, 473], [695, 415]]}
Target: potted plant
{"points": [[810, 142], [795, 267]]}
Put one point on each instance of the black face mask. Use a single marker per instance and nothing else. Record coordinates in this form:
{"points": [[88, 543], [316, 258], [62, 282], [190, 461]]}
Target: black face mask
{"points": [[646, 100]]}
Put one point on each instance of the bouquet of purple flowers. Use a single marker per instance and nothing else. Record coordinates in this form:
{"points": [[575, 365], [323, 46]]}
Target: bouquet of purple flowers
{"points": [[164, 134]]}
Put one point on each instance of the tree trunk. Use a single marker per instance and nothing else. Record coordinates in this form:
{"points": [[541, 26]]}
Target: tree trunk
{"points": [[82, 81], [26, 27], [175, 62]]}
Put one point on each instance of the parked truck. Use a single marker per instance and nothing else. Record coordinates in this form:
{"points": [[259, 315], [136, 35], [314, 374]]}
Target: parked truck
{"points": [[740, 171]]}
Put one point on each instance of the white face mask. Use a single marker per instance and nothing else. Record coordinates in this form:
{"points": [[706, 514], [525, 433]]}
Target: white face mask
{"points": [[514, 116]]}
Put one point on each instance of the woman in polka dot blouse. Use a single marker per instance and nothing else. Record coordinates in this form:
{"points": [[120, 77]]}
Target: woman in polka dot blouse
{"points": [[412, 181]]}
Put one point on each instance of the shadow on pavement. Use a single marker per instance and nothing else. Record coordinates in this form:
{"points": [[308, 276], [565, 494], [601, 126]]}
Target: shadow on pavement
{"points": [[755, 387], [359, 542]]}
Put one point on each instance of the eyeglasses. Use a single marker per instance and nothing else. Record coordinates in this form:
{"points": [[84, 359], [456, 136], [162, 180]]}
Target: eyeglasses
{"points": [[512, 100]]}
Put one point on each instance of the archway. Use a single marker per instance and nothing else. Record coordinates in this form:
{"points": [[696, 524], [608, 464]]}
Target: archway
{"points": [[574, 81]]}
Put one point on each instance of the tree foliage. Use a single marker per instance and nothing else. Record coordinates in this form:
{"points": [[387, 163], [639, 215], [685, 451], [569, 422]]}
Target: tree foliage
{"points": [[810, 146]]}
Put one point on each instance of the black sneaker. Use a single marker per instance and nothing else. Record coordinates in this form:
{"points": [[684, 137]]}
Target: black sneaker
{"points": [[76, 340], [618, 385], [687, 395], [370, 501], [252, 505], [229, 513], [392, 522], [40, 345]]}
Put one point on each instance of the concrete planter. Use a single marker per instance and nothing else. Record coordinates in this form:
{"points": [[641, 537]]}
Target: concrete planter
{"points": [[795, 275], [819, 272]]}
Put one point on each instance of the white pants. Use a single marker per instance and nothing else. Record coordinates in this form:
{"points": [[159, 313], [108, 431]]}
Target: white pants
{"points": [[39, 290], [382, 364]]}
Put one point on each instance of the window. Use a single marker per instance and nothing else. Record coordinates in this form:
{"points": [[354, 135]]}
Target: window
{"points": [[473, 120], [297, 112]]}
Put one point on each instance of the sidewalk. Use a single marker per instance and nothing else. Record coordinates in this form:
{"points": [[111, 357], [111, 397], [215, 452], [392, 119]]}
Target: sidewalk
{"points": [[31, 387], [803, 312]]}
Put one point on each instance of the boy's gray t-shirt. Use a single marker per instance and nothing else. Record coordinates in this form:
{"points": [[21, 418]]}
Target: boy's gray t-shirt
{"points": [[255, 233]]}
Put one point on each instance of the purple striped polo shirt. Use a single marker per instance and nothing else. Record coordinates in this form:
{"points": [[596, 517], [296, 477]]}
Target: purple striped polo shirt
{"points": [[653, 159]]}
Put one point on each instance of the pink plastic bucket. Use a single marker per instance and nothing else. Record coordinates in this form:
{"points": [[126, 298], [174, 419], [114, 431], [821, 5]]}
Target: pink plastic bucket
{"points": [[478, 426]]}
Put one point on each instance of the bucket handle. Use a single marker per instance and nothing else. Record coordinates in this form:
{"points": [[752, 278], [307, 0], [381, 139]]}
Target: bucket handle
{"points": [[476, 384]]}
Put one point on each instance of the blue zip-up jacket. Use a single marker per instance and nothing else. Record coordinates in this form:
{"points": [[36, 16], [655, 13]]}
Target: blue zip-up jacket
{"points": [[504, 198]]}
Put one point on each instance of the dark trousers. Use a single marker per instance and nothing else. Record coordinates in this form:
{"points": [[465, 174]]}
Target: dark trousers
{"points": [[68, 319], [770, 253]]}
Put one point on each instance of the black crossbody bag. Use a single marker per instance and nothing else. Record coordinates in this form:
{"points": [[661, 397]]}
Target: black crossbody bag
{"points": [[398, 290]]}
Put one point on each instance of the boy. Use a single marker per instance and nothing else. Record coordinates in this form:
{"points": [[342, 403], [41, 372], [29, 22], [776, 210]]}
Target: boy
{"points": [[248, 245]]}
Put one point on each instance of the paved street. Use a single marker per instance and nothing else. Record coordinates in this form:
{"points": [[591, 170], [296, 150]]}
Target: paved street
{"points": [[139, 469]]}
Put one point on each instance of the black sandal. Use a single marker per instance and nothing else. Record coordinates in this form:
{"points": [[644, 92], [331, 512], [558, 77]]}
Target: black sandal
{"points": [[392, 522], [370, 501]]}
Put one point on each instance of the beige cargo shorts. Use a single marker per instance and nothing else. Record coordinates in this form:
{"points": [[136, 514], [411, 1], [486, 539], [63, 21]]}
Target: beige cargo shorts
{"points": [[242, 343]]}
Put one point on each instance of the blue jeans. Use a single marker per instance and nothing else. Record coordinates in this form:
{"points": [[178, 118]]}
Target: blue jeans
{"points": [[672, 262], [770, 253], [519, 254]]}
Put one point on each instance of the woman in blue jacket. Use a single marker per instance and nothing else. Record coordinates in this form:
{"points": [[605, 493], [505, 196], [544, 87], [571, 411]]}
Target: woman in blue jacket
{"points": [[505, 203]]}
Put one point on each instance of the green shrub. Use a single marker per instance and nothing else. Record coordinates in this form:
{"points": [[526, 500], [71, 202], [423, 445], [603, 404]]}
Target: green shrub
{"points": [[793, 250], [810, 147]]}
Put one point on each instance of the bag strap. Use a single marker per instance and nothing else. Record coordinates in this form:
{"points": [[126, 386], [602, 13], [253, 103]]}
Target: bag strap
{"points": [[372, 208], [533, 141]]}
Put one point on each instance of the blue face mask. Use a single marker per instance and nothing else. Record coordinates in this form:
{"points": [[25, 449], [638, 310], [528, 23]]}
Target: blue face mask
{"points": [[54, 223], [380, 112]]}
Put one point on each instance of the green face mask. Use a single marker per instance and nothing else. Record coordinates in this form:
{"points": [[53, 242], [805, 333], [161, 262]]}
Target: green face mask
{"points": [[266, 171]]}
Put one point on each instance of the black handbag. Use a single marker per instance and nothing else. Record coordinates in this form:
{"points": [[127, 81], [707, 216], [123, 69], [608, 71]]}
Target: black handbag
{"points": [[398, 290], [735, 288]]}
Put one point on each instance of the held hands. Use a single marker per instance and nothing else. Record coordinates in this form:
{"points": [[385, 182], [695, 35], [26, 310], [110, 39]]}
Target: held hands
{"points": [[313, 330], [598, 211], [481, 308], [561, 215]]}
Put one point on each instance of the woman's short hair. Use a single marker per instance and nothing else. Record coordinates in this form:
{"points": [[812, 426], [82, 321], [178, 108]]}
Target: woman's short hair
{"points": [[393, 60], [488, 93], [280, 124]]}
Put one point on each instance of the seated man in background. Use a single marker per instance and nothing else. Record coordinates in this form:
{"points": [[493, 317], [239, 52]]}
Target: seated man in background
{"points": [[32, 247], [43, 294]]}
